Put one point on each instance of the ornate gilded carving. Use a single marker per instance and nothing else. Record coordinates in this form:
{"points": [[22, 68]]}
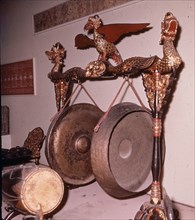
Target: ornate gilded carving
{"points": [[158, 82], [34, 143], [106, 36], [151, 213], [132, 66], [95, 69], [61, 85], [156, 193], [162, 72], [157, 127]]}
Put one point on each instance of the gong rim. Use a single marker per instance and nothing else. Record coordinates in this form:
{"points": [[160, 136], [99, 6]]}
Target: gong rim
{"points": [[68, 143], [103, 155]]}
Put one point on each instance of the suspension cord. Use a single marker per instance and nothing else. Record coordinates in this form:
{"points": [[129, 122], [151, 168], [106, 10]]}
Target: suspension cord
{"points": [[106, 113], [74, 91], [130, 83], [82, 86], [67, 101]]}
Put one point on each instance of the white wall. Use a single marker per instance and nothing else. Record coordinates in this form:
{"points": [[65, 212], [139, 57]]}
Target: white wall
{"points": [[18, 42]]}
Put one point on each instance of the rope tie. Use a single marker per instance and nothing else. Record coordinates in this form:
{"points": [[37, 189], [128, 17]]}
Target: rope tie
{"points": [[106, 113], [74, 91], [130, 83], [58, 113], [89, 95]]}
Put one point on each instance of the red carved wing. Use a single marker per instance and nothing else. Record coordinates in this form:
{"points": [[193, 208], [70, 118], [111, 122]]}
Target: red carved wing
{"points": [[83, 42], [115, 32]]}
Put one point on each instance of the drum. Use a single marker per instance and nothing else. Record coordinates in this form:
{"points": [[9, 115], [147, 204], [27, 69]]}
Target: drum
{"points": [[29, 187], [122, 149]]}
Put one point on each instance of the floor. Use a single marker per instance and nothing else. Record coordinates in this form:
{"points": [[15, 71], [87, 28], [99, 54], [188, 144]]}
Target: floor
{"points": [[92, 203]]}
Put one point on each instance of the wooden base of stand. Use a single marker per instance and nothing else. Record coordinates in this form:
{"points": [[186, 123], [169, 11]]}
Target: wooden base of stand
{"points": [[151, 212], [162, 211]]}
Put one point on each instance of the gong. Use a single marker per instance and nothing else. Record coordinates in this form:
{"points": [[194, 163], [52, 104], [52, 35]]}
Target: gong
{"points": [[68, 143], [121, 151]]}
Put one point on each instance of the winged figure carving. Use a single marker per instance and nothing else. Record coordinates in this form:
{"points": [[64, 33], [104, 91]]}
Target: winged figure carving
{"points": [[106, 36]]}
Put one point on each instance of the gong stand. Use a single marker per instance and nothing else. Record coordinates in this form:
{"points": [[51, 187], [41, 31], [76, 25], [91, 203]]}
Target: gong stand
{"points": [[158, 75]]}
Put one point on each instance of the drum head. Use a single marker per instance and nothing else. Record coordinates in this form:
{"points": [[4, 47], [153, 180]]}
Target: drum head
{"points": [[42, 187], [68, 143], [121, 151]]}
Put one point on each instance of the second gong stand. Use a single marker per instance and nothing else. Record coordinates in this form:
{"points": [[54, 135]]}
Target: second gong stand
{"points": [[158, 75]]}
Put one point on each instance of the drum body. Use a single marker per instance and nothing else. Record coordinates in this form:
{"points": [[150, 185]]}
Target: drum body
{"points": [[27, 187], [122, 149]]}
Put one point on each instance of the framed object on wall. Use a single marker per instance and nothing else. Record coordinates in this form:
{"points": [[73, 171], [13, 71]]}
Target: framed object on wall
{"points": [[17, 78], [4, 120]]}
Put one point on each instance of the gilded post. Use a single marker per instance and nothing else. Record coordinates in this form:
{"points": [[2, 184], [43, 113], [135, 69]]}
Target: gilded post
{"points": [[158, 80]]}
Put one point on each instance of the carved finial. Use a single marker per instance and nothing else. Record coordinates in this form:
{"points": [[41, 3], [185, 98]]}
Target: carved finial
{"points": [[57, 56]]}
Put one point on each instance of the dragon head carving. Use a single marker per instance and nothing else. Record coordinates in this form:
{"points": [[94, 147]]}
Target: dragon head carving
{"points": [[169, 27]]}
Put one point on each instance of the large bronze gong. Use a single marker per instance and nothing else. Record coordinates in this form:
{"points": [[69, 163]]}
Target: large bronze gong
{"points": [[68, 143], [121, 151]]}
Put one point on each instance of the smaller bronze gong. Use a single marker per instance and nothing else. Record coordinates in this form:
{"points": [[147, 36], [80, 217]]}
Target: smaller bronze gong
{"points": [[68, 143], [121, 151]]}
